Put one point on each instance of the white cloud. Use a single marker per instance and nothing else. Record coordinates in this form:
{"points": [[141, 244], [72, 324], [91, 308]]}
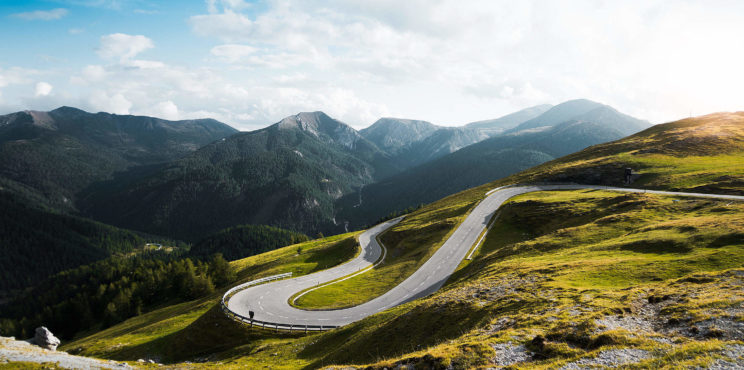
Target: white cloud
{"points": [[446, 61], [122, 46], [232, 53], [43, 15], [43, 89], [117, 104], [460, 61], [16, 76], [167, 110]]}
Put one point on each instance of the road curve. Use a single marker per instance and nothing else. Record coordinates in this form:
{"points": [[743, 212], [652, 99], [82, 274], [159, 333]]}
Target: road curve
{"points": [[269, 301]]}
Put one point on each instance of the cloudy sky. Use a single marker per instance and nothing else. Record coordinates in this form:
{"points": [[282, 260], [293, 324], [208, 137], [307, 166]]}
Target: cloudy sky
{"points": [[449, 62]]}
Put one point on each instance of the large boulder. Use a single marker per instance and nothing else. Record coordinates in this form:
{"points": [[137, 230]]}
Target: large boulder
{"points": [[45, 339]]}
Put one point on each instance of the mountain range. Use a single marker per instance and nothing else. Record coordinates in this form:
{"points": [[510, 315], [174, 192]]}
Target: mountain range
{"points": [[308, 172], [607, 257], [55, 157], [288, 175], [558, 131]]}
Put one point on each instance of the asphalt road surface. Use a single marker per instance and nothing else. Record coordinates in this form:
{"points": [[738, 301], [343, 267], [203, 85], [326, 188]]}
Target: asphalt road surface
{"points": [[270, 302]]}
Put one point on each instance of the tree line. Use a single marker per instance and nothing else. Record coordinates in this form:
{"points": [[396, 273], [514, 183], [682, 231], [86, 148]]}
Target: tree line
{"points": [[107, 292]]}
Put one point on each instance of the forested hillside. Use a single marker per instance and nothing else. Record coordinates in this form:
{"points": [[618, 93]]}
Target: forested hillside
{"points": [[55, 156], [37, 243], [286, 175], [245, 241], [107, 292]]}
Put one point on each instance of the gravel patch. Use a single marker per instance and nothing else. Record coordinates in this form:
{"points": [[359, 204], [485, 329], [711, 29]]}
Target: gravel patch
{"points": [[508, 354], [610, 358], [12, 350], [728, 327], [631, 323], [725, 365], [724, 328], [734, 351]]}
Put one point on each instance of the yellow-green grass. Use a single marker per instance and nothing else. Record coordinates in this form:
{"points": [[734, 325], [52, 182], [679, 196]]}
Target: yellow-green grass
{"points": [[189, 329], [555, 259], [704, 154], [631, 237], [567, 259], [699, 154], [28, 365], [409, 244], [548, 272]]}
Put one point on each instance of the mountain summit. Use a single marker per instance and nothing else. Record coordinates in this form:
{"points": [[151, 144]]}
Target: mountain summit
{"points": [[395, 134], [501, 124], [584, 110]]}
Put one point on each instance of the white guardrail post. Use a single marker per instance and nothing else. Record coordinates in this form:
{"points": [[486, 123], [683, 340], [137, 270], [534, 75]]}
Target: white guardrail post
{"points": [[264, 324]]}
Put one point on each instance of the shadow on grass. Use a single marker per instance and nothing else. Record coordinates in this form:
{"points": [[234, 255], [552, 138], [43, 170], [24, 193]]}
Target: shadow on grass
{"points": [[395, 332], [729, 239], [341, 251], [656, 246], [211, 333]]}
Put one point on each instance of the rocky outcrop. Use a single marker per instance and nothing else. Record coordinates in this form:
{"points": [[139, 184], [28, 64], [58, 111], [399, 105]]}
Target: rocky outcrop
{"points": [[45, 339]]}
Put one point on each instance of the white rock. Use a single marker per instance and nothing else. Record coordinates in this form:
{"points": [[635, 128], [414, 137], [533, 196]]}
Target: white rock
{"points": [[45, 339]]}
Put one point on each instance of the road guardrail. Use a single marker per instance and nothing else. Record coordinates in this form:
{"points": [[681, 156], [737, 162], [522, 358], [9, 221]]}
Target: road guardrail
{"points": [[265, 324]]}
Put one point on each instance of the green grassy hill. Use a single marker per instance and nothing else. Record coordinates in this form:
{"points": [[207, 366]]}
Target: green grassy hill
{"points": [[702, 154], [577, 278]]}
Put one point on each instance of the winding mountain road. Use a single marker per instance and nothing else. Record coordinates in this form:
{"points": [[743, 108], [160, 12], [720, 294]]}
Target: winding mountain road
{"points": [[270, 302]]}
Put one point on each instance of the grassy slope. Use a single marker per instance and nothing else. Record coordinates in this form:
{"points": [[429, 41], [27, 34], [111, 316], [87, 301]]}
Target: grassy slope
{"points": [[699, 154], [702, 154], [409, 244], [546, 275], [191, 329], [555, 276]]}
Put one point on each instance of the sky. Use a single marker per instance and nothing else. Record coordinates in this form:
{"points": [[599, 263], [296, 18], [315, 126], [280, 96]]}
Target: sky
{"points": [[251, 63]]}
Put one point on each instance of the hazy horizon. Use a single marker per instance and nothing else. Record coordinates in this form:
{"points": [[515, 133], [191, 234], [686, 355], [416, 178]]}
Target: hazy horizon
{"points": [[249, 64]]}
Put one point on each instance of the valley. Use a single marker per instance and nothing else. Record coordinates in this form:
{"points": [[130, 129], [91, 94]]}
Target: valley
{"points": [[371, 185], [567, 275]]}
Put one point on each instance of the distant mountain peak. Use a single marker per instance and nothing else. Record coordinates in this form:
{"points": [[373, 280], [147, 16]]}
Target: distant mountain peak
{"points": [[322, 126], [67, 109], [393, 134], [577, 109], [509, 121], [306, 121]]}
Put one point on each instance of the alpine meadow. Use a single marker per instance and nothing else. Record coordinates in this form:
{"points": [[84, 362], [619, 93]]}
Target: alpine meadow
{"points": [[247, 184]]}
